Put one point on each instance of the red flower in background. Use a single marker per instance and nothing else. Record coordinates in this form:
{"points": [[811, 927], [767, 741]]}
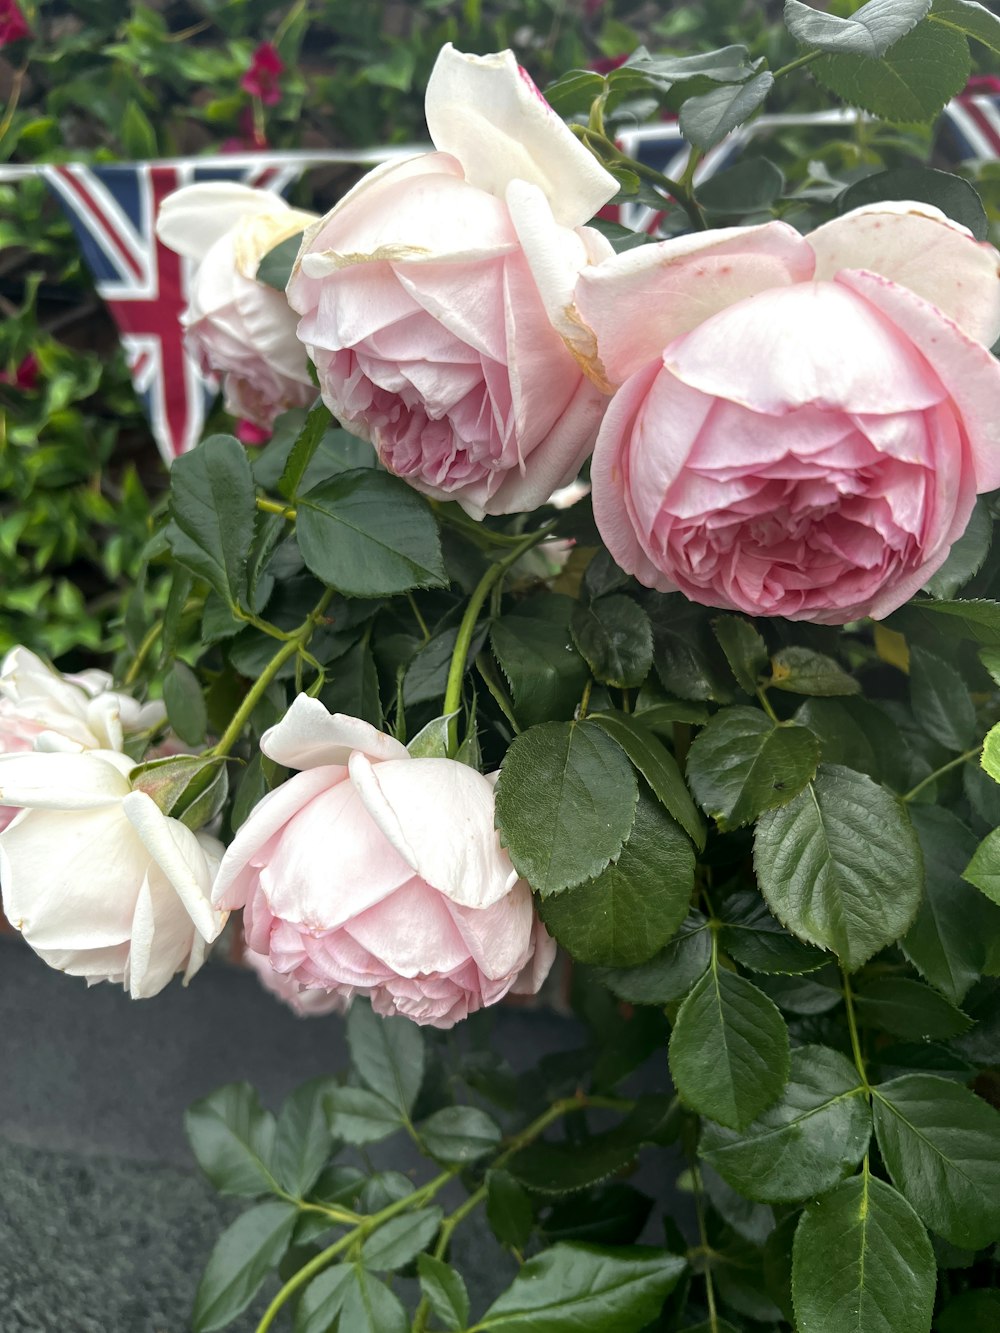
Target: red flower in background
{"points": [[248, 432], [25, 377], [13, 24], [605, 64], [263, 77]]}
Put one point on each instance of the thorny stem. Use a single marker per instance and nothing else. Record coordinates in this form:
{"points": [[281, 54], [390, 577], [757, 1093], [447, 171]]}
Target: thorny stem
{"points": [[141, 653], [456, 672], [706, 1250], [293, 645]]}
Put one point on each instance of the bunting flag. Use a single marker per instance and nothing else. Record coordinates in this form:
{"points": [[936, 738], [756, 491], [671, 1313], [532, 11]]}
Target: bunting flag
{"points": [[113, 212], [144, 285]]}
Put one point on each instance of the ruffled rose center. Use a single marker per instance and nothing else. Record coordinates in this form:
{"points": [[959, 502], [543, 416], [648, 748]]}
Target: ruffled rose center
{"points": [[823, 508]]}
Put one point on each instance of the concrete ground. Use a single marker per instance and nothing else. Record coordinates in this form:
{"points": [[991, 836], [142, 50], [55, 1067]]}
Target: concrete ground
{"points": [[105, 1223]]}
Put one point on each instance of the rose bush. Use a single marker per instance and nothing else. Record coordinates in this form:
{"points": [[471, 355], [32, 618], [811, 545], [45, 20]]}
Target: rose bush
{"points": [[373, 873], [97, 879], [239, 328], [428, 293], [803, 423]]}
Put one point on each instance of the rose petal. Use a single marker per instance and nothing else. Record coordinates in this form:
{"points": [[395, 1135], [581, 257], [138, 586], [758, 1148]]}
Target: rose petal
{"points": [[677, 285], [310, 736], [439, 816], [968, 372], [917, 246], [177, 853], [194, 217], [487, 113]]}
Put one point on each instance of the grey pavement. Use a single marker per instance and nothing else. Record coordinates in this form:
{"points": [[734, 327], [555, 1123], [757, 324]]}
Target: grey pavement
{"points": [[105, 1223]]}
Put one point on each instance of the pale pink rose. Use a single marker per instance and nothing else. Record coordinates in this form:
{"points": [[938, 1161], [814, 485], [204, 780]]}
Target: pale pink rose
{"points": [[803, 422], [434, 294], [305, 1003], [41, 708], [376, 874], [237, 327], [97, 879]]}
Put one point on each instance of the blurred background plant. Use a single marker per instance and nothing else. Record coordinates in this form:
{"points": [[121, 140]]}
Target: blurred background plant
{"points": [[105, 80]]}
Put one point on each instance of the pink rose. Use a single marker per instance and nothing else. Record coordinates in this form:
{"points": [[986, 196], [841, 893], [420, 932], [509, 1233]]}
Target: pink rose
{"points": [[373, 873], [305, 1003], [803, 422], [237, 327], [433, 295]]}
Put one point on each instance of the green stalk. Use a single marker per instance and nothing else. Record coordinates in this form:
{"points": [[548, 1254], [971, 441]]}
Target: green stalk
{"points": [[257, 690], [456, 671], [939, 772]]}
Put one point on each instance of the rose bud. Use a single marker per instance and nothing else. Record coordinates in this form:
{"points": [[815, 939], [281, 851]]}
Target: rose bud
{"points": [[373, 873]]}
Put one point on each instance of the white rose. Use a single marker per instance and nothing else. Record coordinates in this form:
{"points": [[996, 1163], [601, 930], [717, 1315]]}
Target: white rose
{"points": [[97, 879]]}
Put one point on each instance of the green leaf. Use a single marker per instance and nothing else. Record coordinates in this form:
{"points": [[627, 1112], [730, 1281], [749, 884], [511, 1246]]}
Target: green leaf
{"points": [[574, 90], [232, 1138], [852, 732], [840, 866], [138, 135], [401, 1239], [459, 1134], [535, 650], [368, 534], [957, 198], [352, 685], [323, 1300], [611, 1214], [727, 64], [977, 619], [565, 803], [303, 450], [508, 1209], [185, 703], [910, 83], [369, 1306], [431, 741], [729, 1049], [801, 671], [862, 1261], [984, 869], [909, 1009], [566, 1168], [746, 651], [302, 1142], [990, 757], [275, 268], [972, 1309], [947, 941], [869, 32], [243, 1256], [444, 1291], [616, 638], [687, 656], [754, 938], [388, 1054], [632, 908], [671, 973], [809, 1140], [360, 1116], [742, 764], [941, 1146], [940, 701], [582, 1289], [706, 119], [657, 765], [214, 512], [752, 185], [971, 20]]}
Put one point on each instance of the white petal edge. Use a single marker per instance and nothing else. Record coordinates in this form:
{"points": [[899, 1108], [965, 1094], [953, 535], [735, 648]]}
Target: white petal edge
{"points": [[177, 852], [310, 736], [194, 217]]}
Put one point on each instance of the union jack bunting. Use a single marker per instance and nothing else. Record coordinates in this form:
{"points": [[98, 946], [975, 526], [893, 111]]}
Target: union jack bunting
{"points": [[970, 125], [144, 285]]}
